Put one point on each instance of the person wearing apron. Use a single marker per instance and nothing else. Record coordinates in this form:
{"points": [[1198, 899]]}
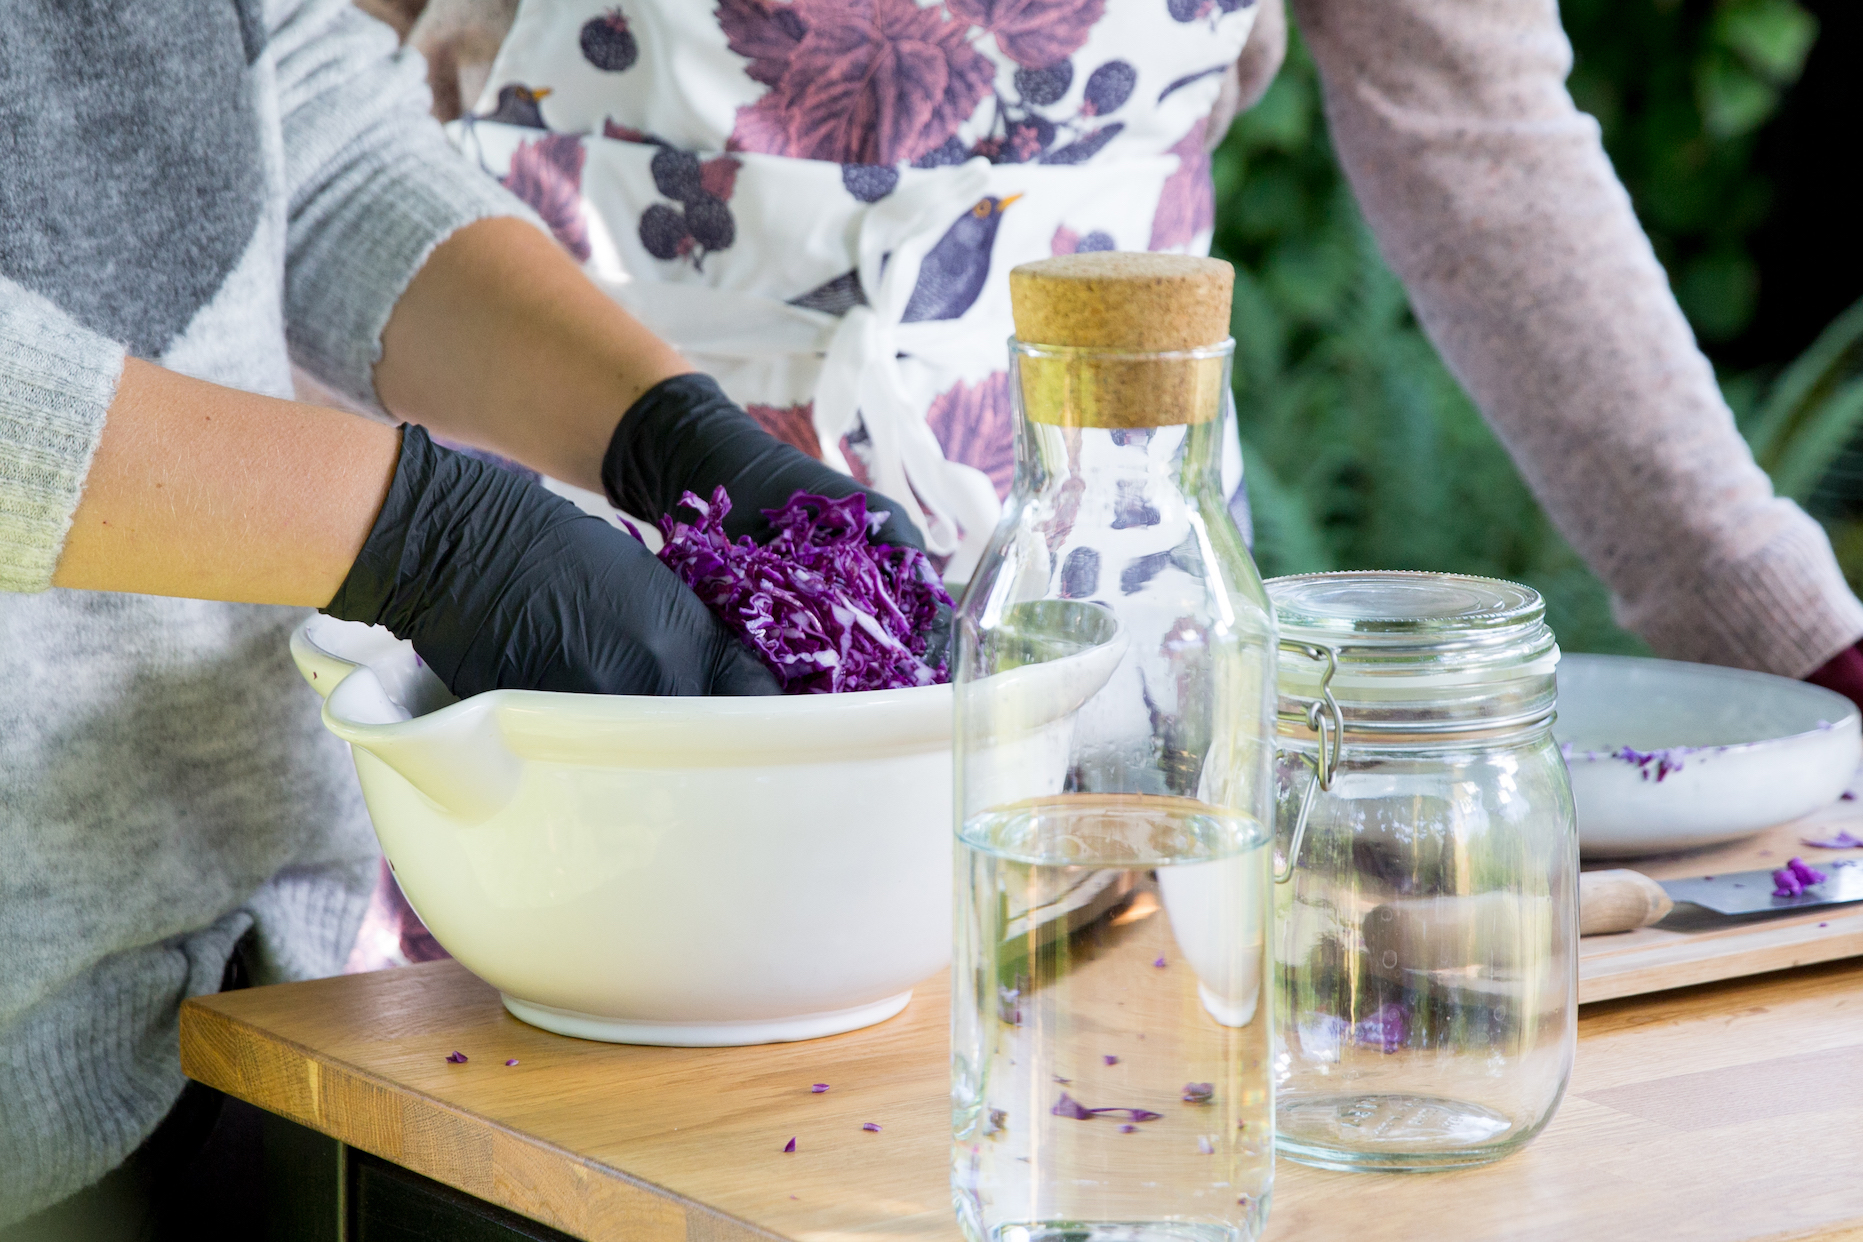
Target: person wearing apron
{"points": [[818, 203]]}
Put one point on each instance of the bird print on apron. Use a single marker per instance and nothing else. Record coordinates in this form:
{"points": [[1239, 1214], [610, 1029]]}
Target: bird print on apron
{"points": [[818, 201]]}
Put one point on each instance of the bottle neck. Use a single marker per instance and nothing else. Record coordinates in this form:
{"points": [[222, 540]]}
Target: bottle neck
{"points": [[1137, 463], [1143, 423]]}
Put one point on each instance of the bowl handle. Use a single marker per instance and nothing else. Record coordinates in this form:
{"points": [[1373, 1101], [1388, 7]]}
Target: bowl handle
{"points": [[322, 671]]}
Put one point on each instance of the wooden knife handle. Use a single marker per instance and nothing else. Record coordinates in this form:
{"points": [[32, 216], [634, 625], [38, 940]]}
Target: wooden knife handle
{"points": [[1619, 900]]}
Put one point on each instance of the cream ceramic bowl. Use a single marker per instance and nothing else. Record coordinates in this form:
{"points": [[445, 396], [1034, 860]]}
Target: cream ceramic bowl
{"points": [[1669, 756], [690, 871]]}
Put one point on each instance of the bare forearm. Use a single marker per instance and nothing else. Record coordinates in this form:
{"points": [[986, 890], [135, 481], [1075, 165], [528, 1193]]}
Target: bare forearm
{"points": [[501, 342], [211, 493]]}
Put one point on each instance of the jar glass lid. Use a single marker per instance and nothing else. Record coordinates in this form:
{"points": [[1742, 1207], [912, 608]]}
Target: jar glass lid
{"points": [[1401, 606], [1387, 626]]}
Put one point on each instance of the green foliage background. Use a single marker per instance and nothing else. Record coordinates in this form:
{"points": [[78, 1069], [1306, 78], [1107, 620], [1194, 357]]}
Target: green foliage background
{"points": [[1362, 451]]}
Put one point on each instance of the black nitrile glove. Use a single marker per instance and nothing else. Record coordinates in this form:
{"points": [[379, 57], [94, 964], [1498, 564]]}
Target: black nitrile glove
{"points": [[500, 584], [685, 435]]}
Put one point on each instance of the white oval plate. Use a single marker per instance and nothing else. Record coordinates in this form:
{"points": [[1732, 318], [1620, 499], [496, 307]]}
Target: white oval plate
{"points": [[1668, 756]]}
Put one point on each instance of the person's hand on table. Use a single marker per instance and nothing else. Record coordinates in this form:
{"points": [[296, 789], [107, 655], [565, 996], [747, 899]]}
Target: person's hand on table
{"points": [[1843, 673]]}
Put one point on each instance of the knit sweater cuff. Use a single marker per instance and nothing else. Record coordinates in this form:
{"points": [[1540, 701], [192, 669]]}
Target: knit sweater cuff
{"points": [[57, 380], [346, 279], [1782, 608]]}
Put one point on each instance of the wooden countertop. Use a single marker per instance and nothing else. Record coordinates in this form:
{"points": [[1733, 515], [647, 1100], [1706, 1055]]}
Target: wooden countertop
{"points": [[1720, 1113]]}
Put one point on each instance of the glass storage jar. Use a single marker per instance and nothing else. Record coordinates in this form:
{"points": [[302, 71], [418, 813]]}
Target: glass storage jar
{"points": [[1114, 684], [1426, 938]]}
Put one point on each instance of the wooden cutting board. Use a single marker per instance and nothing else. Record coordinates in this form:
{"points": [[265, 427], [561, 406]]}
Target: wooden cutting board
{"points": [[1693, 945]]}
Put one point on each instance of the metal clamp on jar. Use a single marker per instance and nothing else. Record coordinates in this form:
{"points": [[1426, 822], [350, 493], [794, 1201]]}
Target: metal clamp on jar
{"points": [[1427, 921]]}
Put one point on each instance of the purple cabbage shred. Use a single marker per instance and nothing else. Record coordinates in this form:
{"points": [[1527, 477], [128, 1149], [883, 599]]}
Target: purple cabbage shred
{"points": [[1128, 1128], [1110, 1059], [1653, 763], [1159, 963], [1068, 1106], [512, 1061], [1198, 1092], [872, 1126], [818, 1088], [826, 611], [790, 1145], [1844, 840], [1387, 1028], [457, 1058], [1785, 884], [1205, 1146], [1807, 875]]}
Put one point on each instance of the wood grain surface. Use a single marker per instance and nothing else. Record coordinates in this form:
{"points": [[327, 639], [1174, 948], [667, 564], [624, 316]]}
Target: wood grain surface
{"points": [[1694, 946], [1722, 1113]]}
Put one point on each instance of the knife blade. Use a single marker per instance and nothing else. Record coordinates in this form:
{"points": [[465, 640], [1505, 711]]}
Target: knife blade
{"points": [[1751, 892]]}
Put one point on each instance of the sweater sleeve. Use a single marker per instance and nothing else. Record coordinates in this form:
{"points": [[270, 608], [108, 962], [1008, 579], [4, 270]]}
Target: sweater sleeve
{"points": [[372, 183], [1492, 198], [57, 380]]}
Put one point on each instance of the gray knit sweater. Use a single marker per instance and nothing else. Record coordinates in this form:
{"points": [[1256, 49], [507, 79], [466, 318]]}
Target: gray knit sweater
{"points": [[224, 188]]}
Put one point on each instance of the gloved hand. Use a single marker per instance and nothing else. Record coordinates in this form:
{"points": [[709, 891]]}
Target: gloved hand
{"points": [[498, 583], [685, 435]]}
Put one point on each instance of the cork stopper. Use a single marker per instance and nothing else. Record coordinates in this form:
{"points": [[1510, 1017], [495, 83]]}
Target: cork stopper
{"points": [[1146, 303], [1096, 333]]}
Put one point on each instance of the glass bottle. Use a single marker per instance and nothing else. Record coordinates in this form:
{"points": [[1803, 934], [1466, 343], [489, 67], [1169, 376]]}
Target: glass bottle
{"points": [[1426, 940], [1114, 682]]}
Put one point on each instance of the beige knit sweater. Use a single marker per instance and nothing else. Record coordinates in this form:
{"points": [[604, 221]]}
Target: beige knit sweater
{"points": [[1491, 196]]}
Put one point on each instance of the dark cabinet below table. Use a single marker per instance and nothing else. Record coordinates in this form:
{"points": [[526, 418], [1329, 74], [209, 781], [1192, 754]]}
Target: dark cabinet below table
{"points": [[323, 1191]]}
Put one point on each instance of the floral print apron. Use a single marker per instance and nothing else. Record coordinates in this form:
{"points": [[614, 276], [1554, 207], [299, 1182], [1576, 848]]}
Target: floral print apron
{"points": [[818, 201]]}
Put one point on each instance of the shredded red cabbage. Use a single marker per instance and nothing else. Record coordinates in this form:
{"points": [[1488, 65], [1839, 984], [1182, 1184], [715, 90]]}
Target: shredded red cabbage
{"points": [[790, 1145], [1068, 1106], [1199, 1092], [824, 609], [872, 1127], [457, 1058], [1388, 1028], [1807, 875]]}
